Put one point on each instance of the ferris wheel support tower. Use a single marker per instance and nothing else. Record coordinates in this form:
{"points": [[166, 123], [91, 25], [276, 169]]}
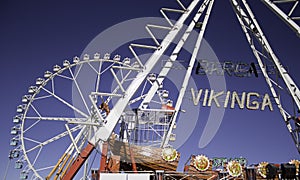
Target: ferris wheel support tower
{"points": [[257, 41], [250, 27], [105, 131], [287, 17]]}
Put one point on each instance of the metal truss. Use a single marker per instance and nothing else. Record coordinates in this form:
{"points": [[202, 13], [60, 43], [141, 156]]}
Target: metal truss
{"points": [[287, 14], [105, 131], [124, 94], [264, 53]]}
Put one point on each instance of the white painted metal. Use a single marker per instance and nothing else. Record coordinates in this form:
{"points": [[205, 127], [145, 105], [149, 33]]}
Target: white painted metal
{"points": [[72, 138], [182, 91], [168, 66], [287, 17], [112, 119], [118, 81], [250, 25], [95, 107], [78, 128]]}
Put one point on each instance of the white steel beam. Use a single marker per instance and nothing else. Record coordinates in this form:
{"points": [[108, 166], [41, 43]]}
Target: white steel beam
{"points": [[168, 65], [104, 132], [182, 91], [291, 85], [286, 17], [250, 25]]}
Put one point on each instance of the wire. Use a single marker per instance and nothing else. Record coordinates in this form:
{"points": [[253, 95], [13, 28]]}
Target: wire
{"points": [[97, 152], [7, 167]]}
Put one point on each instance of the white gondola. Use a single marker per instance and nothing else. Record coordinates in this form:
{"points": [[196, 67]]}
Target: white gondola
{"points": [[14, 131], [126, 61], [56, 68], [39, 81], [16, 154], [17, 119], [169, 103], [14, 142], [165, 94], [117, 58], [24, 175], [86, 57], [32, 89], [10, 155], [47, 74], [19, 165], [26, 98], [161, 85], [66, 63], [76, 59], [136, 65], [152, 77], [173, 137], [96, 56], [106, 56], [21, 108]]}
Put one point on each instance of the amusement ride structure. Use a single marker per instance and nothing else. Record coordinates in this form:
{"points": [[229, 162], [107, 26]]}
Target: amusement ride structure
{"points": [[98, 124]]}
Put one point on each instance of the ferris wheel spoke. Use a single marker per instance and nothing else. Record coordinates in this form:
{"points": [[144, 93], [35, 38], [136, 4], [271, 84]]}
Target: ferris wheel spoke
{"points": [[121, 70], [79, 90], [37, 156], [52, 87], [42, 97], [106, 69], [35, 110], [55, 138], [64, 77], [38, 118], [31, 140], [64, 119], [117, 87], [82, 133], [31, 126], [72, 138], [66, 103], [44, 168], [144, 87], [77, 72], [67, 154], [98, 76], [93, 68], [64, 161]]}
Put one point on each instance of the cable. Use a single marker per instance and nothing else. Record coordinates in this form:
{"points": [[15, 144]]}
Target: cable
{"points": [[97, 152], [6, 170]]}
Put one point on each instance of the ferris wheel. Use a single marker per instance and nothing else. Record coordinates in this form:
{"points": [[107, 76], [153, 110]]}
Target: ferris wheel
{"points": [[75, 107], [62, 115], [57, 117], [62, 111]]}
